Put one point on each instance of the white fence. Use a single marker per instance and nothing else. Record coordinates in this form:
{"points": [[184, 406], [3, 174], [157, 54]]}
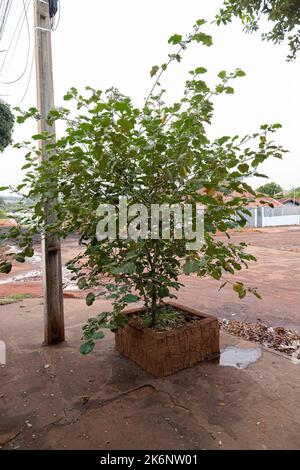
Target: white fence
{"points": [[2, 353], [273, 217]]}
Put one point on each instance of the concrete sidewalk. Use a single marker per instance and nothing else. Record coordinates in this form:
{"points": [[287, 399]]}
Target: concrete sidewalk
{"points": [[54, 398]]}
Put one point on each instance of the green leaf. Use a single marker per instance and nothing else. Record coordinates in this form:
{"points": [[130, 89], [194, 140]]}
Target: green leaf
{"points": [[81, 283], [127, 268], [25, 167], [4, 188], [120, 321], [229, 90], [5, 268], [190, 267], [163, 292], [126, 124], [175, 39], [248, 188], [243, 167], [38, 210], [240, 73], [223, 139], [90, 299], [68, 96], [222, 286], [20, 258], [200, 70], [87, 348], [257, 295], [130, 298], [222, 74], [29, 252], [216, 274], [98, 335], [204, 38], [21, 186], [154, 70], [240, 289], [53, 115], [38, 137], [21, 119]]}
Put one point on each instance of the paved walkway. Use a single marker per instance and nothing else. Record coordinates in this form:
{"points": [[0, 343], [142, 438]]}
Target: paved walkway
{"points": [[54, 398]]}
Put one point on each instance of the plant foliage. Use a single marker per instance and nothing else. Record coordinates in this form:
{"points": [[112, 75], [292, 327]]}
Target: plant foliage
{"points": [[159, 153], [6, 125], [284, 14], [271, 189]]}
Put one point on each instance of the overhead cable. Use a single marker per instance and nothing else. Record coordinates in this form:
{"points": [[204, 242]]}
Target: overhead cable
{"points": [[4, 15], [28, 50], [20, 24]]}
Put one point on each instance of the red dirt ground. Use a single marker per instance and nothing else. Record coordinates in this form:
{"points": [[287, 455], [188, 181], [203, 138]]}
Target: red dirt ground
{"points": [[276, 274]]}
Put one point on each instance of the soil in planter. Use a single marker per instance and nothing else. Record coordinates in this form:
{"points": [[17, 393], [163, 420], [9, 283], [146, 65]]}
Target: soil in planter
{"points": [[167, 319]]}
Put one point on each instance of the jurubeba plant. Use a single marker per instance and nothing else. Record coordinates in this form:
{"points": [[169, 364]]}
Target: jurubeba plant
{"points": [[157, 154]]}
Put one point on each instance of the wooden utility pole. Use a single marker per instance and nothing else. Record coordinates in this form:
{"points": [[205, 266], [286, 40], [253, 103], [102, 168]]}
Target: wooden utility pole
{"points": [[51, 251]]}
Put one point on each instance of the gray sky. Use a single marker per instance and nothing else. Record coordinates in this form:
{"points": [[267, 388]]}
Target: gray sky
{"points": [[116, 42]]}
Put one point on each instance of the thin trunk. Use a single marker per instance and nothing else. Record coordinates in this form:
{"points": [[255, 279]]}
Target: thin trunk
{"points": [[145, 299], [153, 309]]}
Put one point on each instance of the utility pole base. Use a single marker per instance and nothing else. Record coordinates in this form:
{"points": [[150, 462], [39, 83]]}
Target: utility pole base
{"points": [[51, 251], [54, 329]]}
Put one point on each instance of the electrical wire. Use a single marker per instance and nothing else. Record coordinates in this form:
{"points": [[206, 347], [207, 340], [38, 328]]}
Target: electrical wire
{"points": [[30, 75], [6, 9], [28, 50], [22, 18], [53, 28], [19, 35], [20, 21], [5, 18], [4, 15], [1, 8]]}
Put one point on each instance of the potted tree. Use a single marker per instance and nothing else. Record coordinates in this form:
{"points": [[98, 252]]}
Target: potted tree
{"points": [[115, 164]]}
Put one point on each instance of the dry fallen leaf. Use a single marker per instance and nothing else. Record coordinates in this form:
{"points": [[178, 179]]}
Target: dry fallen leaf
{"points": [[281, 339]]}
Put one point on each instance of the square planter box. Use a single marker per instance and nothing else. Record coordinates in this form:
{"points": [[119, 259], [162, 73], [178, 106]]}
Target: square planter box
{"points": [[163, 353]]}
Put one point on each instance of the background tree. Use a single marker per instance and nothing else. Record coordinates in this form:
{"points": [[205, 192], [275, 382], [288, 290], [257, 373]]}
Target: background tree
{"points": [[6, 125], [2, 204], [271, 189], [284, 14], [294, 192]]}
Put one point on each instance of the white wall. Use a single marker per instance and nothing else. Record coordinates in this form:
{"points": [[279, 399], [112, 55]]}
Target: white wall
{"points": [[281, 220]]}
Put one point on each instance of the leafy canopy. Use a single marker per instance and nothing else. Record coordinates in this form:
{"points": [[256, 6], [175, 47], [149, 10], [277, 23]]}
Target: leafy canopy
{"points": [[271, 189], [284, 14], [6, 125], [156, 154], [294, 192]]}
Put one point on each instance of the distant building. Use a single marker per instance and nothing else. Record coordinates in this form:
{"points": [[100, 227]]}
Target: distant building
{"points": [[268, 212], [253, 201], [290, 201], [263, 211]]}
